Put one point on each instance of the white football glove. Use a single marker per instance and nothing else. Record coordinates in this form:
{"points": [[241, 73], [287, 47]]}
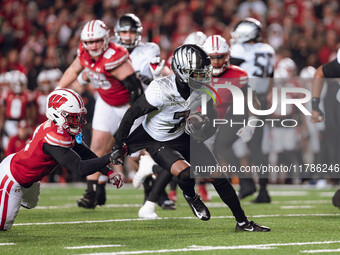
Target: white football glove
{"points": [[247, 132], [156, 66], [116, 179]]}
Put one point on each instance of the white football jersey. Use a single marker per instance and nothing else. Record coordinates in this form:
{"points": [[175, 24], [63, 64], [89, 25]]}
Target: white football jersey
{"points": [[141, 56], [259, 61], [168, 122]]}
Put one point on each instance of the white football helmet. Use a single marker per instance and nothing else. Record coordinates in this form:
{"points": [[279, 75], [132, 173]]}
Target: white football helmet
{"points": [[66, 109], [289, 65], [92, 31], [247, 30], [217, 47], [55, 75], [307, 72], [43, 81], [195, 38], [17, 81]]}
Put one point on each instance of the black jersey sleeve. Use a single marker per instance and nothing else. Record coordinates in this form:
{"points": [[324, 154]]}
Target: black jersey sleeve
{"points": [[236, 61], [85, 163], [138, 109], [331, 69]]}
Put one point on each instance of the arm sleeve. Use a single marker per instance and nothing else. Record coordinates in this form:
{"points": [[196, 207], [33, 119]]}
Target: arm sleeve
{"points": [[69, 159], [134, 86], [139, 108], [236, 61], [331, 69]]}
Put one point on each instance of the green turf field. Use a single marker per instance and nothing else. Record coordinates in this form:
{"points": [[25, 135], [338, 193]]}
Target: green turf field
{"points": [[302, 220]]}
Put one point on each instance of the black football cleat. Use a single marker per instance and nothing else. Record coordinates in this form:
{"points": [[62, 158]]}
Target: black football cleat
{"points": [[336, 199], [251, 226], [101, 194], [247, 187], [263, 197], [88, 201], [198, 207], [168, 205]]}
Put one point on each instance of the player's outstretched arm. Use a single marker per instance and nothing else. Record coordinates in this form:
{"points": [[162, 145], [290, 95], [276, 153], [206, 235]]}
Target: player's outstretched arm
{"points": [[70, 74], [318, 80]]}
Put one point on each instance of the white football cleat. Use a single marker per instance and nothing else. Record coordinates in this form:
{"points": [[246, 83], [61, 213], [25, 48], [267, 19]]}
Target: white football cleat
{"points": [[145, 169], [147, 211]]}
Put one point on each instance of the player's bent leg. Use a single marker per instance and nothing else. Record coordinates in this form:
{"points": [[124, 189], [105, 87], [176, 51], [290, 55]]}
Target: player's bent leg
{"points": [[9, 205], [30, 196], [187, 185]]}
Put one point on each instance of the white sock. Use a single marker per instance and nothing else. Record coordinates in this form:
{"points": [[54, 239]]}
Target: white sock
{"points": [[149, 204]]}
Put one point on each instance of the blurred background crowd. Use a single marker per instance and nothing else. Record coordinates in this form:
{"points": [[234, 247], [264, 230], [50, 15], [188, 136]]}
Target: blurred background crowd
{"points": [[40, 38]]}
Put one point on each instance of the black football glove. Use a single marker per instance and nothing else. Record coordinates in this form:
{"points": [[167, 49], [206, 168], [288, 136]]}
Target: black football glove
{"points": [[118, 154]]}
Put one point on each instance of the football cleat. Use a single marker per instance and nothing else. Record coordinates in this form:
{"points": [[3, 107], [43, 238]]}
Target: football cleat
{"points": [[88, 201], [147, 211], [251, 226], [336, 199], [263, 197], [203, 192], [101, 194], [198, 207], [173, 195], [168, 205], [247, 187], [145, 168]]}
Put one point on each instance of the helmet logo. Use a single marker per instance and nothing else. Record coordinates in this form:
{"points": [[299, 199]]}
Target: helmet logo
{"points": [[56, 101]]}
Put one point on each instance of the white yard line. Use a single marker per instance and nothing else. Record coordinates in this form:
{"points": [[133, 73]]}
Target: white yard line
{"points": [[3, 244], [327, 201], [175, 218], [93, 246], [74, 205], [321, 251], [297, 207], [210, 248]]}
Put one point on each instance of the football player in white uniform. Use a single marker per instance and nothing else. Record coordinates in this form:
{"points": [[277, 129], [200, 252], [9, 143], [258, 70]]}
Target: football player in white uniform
{"points": [[167, 103], [257, 58], [148, 66]]}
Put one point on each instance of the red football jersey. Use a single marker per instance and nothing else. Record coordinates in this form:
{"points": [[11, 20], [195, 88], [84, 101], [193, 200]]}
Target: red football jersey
{"points": [[238, 77], [31, 164], [111, 90], [15, 144], [16, 104]]}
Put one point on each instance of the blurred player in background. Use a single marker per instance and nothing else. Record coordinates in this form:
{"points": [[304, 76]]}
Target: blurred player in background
{"points": [[329, 70], [257, 58]]}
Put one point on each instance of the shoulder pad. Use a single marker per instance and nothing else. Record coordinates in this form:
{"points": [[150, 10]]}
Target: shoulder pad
{"points": [[59, 137], [114, 56], [151, 49]]}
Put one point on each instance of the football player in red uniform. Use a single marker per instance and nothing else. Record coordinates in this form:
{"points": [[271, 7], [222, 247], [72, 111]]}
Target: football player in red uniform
{"points": [[15, 106], [109, 70], [57, 141], [224, 142]]}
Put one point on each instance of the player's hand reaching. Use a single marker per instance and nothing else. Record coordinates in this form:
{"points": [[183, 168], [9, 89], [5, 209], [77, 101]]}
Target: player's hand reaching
{"points": [[317, 114], [116, 179], [246, 133], [118, 154], [156, 67]]}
